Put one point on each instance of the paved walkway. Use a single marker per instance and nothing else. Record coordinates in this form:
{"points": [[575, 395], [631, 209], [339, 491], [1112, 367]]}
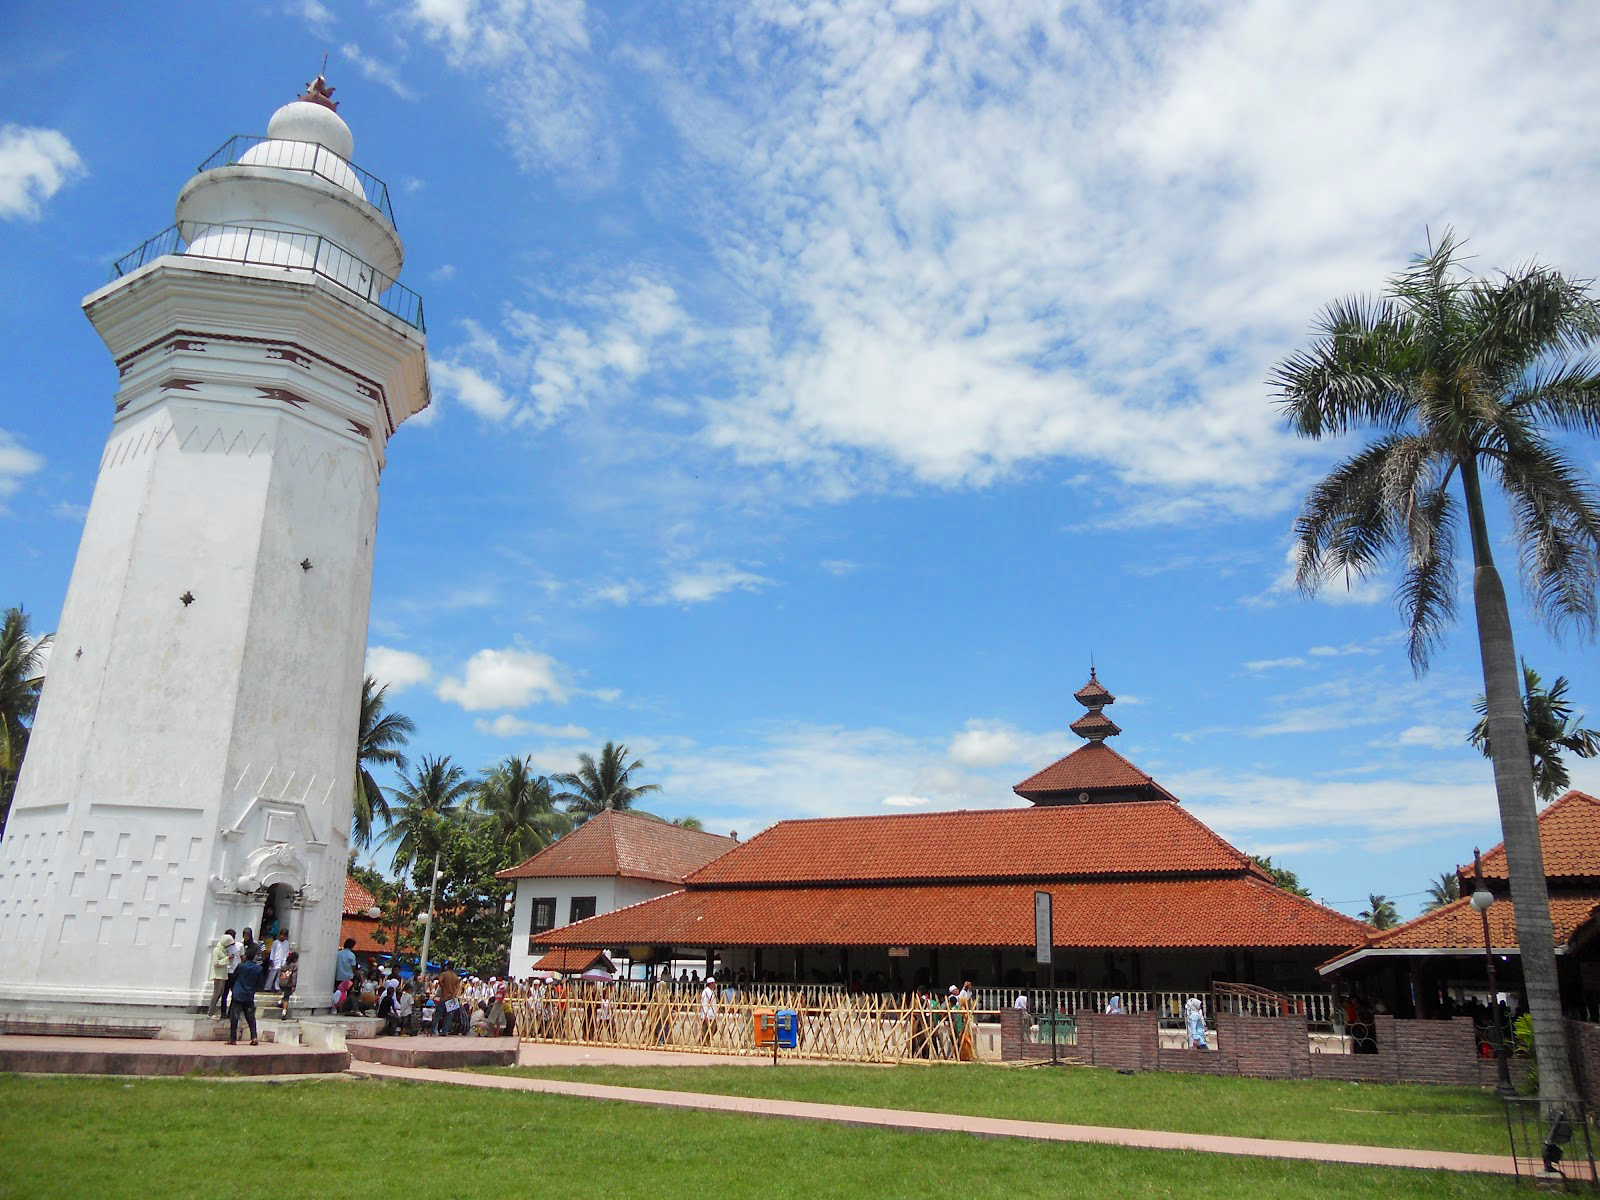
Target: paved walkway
{"points": [[923, 1122]]}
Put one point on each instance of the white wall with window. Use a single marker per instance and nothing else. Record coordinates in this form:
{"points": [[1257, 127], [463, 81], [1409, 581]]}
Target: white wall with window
{"points": [[549, 903]]}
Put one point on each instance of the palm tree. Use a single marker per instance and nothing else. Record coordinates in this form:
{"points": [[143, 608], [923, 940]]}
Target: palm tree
{"points": [[1380, 913], [1551, 729], [22, 659], [689, 823], [521, 807], [1461, 378], [378, 740], [424, 807], [1444, 890], [595, 787]]}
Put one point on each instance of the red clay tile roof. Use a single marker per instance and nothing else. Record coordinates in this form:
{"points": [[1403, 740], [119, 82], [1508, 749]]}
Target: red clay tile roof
{"points": [[1457, 926], [1093, 692], [626, 844], [572, 961], [356, 899], [1240, 911], [362, 929], [1092, 768], [999, 843], [1093, 723], [1569, 836]]}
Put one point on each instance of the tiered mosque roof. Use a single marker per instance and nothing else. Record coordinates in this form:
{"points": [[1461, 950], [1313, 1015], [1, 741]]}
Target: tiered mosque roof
{"points": [[1127, 867]]}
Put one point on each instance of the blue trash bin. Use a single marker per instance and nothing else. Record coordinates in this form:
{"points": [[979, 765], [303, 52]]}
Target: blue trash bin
{"points": [[788, 1029]]}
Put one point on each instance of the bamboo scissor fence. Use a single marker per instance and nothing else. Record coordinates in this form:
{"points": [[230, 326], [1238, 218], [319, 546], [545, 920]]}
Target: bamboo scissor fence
{"points": [[840, 1027]]}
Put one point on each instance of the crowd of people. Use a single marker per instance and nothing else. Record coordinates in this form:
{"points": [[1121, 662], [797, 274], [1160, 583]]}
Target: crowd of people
{"points": [[241, 969]]}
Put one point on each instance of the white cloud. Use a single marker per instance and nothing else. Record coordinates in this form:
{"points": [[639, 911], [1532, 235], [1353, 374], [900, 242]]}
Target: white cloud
{"points": [[906, 801], [1434, 737], [950, 243], [804, 770], [839, 566], [1378, 813], [509, 679], [534, 60], [709, 581], [314, 13], [475, 392], [34, 165], [399, 669], [993, 743], [1338, 591], [1257, 666], [16, 463], [506, 725], [378, 71]]}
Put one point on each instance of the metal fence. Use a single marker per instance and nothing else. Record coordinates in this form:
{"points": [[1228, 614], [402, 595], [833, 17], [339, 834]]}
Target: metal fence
{"points": [[308, 157], [839, 1027], [278, 248], [1552, 1145], [1316, 1007]]}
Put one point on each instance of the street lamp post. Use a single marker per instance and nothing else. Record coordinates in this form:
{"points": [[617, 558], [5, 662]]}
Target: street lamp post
{"points": [[427, 927], [1482, 898]]}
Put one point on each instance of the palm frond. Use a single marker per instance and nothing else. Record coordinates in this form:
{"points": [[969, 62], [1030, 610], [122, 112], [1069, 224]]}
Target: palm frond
{"points": [[1348, 377], [1427, 591], [1556, 513], [1564, 394], [1348, 524]]}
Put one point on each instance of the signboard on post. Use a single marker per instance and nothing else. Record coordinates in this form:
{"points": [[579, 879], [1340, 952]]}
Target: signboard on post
{"points": [[1043, 927]]}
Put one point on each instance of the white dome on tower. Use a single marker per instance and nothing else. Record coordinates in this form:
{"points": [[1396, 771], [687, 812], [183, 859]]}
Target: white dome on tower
{"points": [[308, 121]]}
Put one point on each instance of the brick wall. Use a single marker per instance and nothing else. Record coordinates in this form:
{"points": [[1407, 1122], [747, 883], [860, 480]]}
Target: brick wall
{"points": [[1123, 1043], [1583, 1039], [1432, 1052]]}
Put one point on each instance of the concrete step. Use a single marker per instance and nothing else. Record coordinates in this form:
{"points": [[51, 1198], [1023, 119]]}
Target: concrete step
{"points": [[141, 1056], [442, 1052]]}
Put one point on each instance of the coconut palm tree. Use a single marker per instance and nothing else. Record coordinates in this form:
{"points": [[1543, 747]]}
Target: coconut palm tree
{"points": [[519, 804], [1464, 382], [423, 808], [1444, 890], [22, 659], [1380, 913], [689, 823], [1551, 729], [378, 741], [597, 786]]}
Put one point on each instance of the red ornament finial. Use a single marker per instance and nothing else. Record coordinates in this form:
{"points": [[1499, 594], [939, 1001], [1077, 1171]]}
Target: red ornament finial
{"points": [[318, 92]]}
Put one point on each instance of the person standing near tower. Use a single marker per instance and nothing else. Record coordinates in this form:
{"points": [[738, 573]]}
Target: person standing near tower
{"points": [[246, 981]]}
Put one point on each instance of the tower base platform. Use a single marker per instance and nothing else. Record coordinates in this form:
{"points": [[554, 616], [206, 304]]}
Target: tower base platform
{"points": [[33, 1054]]}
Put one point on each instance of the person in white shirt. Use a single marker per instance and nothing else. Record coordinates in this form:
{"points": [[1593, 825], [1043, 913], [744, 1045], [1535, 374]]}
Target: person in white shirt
{"points": [[276, 957], [708, 1010], [1021, 1002]]}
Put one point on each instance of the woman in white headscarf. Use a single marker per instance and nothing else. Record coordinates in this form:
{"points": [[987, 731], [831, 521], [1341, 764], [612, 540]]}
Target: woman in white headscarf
{"points": [[1194, 1020], [1115, 1009]]}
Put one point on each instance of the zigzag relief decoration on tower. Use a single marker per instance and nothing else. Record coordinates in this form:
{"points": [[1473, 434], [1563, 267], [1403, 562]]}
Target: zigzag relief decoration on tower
{"points": [[142, 440], [298, 359], [276, 350], [283, 394]]}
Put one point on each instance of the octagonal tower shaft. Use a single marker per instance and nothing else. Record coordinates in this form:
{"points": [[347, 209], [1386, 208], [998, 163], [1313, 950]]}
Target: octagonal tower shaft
{"points": [[193, 756]]}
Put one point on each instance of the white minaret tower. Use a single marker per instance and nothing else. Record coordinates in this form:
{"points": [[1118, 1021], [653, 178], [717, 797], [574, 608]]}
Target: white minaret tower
{"points": [[192, 763]]}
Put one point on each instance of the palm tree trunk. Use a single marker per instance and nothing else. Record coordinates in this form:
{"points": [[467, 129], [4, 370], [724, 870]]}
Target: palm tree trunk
{"points": [[1519, 813]]}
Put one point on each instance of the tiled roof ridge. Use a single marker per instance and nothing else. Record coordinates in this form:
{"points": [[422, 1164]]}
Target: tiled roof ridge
{"points": [[914, 881], [606, 826], [1308, 902], [1571, 796], [735, 868]]}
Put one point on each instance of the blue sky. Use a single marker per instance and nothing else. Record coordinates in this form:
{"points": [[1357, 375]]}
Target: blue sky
{"points": [[818, 386]]}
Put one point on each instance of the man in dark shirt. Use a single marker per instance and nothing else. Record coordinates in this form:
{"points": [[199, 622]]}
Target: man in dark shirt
{"points": [[246, 980]]}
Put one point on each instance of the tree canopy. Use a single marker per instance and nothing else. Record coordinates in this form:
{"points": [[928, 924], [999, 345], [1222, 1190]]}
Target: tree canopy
{"points": [[601, 784]]}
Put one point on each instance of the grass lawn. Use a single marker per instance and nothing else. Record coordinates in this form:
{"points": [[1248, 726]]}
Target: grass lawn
{"points": [[1431, 1118], [205, 1138]]}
